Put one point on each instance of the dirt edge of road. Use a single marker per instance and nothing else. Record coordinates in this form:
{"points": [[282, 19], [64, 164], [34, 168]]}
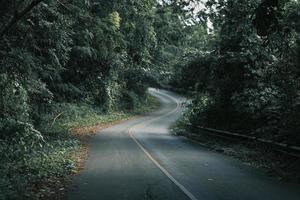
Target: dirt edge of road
{"points": [[59, 187]]}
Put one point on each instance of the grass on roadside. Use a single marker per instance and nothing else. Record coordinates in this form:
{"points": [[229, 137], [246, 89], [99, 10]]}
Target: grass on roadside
{"points": [[45, 171]]}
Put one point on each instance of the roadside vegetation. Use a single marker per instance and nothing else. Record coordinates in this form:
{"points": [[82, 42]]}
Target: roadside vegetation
{"points": [[244, 76], [43, 168], [69, 64], [66, 65]]}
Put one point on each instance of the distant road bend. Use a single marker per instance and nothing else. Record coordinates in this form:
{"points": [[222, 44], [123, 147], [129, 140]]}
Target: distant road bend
{"points": [[140, 159]]}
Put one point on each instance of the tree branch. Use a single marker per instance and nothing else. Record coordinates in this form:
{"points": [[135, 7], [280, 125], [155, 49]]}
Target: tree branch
{"points": [[18, 16]]}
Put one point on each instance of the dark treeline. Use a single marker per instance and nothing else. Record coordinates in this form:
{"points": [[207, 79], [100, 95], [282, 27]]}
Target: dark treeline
{"points": [[246, 77]]}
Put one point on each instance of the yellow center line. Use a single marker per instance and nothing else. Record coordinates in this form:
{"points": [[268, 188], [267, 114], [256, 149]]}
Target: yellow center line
{"points": [[130, 132]]}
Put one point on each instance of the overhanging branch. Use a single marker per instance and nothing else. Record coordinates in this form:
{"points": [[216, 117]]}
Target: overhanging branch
{"points": [[18, 16]]}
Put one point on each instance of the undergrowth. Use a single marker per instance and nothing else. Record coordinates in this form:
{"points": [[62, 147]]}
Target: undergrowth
{"points": [[26, 168]]}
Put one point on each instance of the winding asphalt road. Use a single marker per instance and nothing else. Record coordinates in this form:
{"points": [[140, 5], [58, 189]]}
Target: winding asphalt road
{"points": [[140, 159]]}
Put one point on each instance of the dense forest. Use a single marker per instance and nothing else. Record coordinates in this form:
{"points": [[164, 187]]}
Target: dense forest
{"points": [[238, 60], [59, 60], [246, 76]]}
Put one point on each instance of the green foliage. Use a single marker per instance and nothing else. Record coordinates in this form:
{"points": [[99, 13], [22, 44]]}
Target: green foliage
{"points": [[22, 168], [30, 158], [74, 51], [57, 61], [14, 99], [250, 74], [61, 58]]}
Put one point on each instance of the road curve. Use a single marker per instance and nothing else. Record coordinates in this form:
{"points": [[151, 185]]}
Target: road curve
{"points": [[140, 159]]}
